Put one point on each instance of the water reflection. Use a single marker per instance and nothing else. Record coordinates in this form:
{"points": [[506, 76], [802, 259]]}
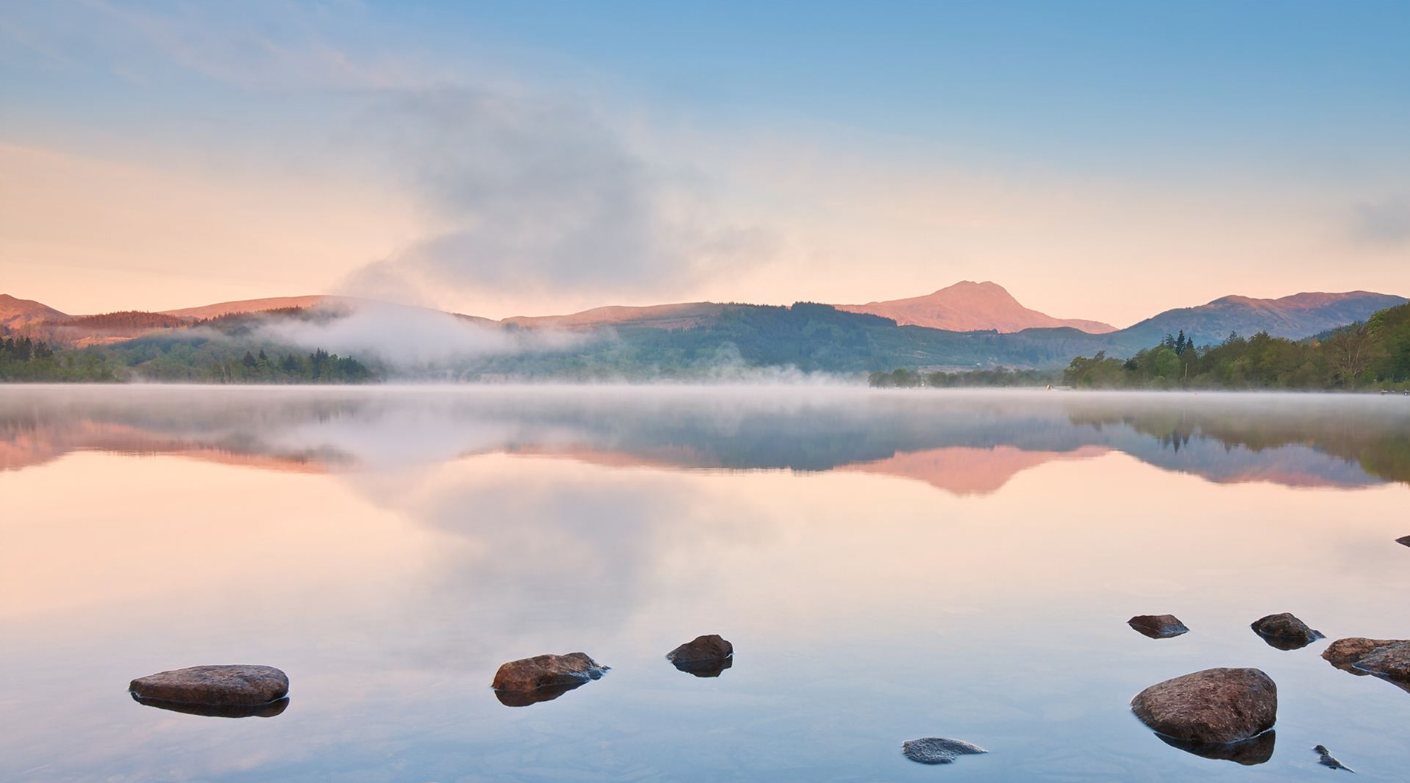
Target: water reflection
{"points": [[895, 565], [269, 710], [960, 443], [1256, 750]]}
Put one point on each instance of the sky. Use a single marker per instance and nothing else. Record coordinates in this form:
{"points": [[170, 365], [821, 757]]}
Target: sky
{"points": [[1101, 160]]}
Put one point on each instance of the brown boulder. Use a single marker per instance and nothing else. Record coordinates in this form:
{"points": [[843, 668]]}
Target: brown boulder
{"points": [[1285, 632], [238, 685], [1214, 706], [547, 671], [704, 656], [1388, 659], [1158, 626]]}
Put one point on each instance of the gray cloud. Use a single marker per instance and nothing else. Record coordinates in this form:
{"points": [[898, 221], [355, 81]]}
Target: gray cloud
{"points": [[1384, 223], [534, 193]]}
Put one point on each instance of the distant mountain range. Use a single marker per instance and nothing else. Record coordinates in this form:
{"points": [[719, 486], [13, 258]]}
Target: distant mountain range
{"points": [[965, 325]]}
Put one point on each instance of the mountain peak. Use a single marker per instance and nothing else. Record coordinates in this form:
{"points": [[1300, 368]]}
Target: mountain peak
{"points": [[968, 306]]}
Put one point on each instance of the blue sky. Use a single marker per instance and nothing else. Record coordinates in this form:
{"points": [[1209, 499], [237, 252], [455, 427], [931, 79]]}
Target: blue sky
{"points": [[521, 157]]}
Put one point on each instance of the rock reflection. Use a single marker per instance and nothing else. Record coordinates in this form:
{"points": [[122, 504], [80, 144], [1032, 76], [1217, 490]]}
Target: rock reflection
{"points": [[1256, 750], [546, 693], [269, 710]]}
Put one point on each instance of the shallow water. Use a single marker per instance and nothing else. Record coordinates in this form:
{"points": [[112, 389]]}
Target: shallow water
{"points": [[889, 565]]}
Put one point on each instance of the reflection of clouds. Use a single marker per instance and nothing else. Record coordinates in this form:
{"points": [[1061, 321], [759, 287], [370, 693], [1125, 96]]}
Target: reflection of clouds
{"points": [[583, 545]]}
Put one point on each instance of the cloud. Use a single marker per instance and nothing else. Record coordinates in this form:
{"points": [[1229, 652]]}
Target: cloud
{"points": [[536, 193], [1385, 223], [413, 337]]}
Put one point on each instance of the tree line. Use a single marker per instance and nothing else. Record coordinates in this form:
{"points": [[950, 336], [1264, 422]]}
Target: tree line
{"points": [[1374, 354]]}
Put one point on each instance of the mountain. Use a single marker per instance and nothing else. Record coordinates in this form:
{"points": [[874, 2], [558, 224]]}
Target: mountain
{"points": [[668, 316], [1293, 317], [250, 306], [17, 313], [971, 307]]}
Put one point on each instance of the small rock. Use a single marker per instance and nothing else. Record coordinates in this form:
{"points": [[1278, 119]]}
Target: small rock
{"points": [[1388, 659], [1326, 760], [1158, 626], [1214, 706], [938, 750], [1405, 540], [705, 656], [543, 677], [240, 685], [1247, 752], [1285, 632]]}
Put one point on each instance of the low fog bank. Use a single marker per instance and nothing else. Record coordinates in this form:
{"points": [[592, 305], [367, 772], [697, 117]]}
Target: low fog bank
{"points": [[410, 338]]}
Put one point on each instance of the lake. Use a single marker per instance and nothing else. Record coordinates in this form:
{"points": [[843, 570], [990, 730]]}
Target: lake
{"points": [[889, 565]]}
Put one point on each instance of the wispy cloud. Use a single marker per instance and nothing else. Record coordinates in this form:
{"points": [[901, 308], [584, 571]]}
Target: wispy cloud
{"points": [[1384, 223]]}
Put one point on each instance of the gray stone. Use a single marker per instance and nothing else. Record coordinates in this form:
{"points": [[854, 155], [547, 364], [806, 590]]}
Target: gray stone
{"points": [[938, 750]]}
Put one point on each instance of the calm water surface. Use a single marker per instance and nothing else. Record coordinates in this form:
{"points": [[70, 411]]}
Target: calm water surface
{"points": [[888, 565]]}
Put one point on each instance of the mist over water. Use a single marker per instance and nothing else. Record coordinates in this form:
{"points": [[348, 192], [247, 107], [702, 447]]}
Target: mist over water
{"points": [[888, 565]]}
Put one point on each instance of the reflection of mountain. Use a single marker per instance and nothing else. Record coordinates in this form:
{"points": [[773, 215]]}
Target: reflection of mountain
{"points": [[968, 471], [959, 442]]}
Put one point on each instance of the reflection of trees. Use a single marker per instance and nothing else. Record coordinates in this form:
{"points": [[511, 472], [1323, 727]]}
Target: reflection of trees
{"points": [[1298, 439], [1372, 434]]}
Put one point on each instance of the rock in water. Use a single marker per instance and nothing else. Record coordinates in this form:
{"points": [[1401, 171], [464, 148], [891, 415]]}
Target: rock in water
{"points": [[705, 656], [1158, 626], [938, 750], [236, 686], [559, 673], [1388, 659], [1405, 540], [1285, 632], [1326, 760], [1214, 706]]}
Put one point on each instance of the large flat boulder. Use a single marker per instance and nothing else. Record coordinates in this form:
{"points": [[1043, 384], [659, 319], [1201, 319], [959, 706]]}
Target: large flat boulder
{"points": [[1211, 707], [704, 656], [1285, 632], [235, 685], [1388, 659], [544, 677]]}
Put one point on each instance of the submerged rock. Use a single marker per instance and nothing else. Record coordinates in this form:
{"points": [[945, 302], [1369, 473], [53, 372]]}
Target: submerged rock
{"points": [[1246, 752], [1212, 707], [1285, 632], [543, 677], [1158, 626], [704, 656], [1326, 760], [238, 685], [938, 750], [269, 710], [1388, 659]]}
